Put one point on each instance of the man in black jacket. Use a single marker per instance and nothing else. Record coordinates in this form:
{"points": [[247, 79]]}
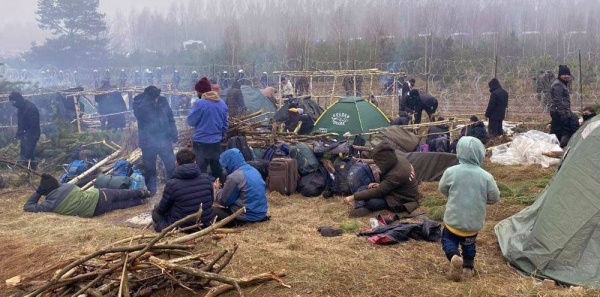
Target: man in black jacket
{"points": [[156, 133], [560, 102], [496, 109], [28, 128]]}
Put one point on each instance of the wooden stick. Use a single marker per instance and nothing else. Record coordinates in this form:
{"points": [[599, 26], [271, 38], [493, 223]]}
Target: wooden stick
{"points": [[250, 281], [93, 168], [208, 230]]}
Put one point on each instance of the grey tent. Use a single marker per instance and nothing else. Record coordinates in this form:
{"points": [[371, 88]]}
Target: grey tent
{"points": [[558, 236], [255, 101]]}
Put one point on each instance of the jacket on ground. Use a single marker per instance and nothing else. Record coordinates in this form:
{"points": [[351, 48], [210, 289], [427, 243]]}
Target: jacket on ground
{"points": [[183, 195], [244, 187], [496, 109], [156, 125], [469, 188], [210, 118], [67, 200]]}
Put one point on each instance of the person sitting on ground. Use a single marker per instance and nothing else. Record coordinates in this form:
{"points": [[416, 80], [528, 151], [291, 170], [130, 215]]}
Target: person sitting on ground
{"points": [[398, 190], [588, 113], [438, 137], [475, 128], [468, 188], [245, 187], [70, 200], [184, 194], [403, 119]]}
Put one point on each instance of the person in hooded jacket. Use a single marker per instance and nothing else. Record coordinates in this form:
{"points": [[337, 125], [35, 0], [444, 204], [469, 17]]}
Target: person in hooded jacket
{"points": [[184, 194], [468, 188], [156, 133], [70, 200], [235, 100], [28, 128], [496, 109], [210, 118], [438, 137], [475, 128], [560, 102], [398, 190], [245, 187]]}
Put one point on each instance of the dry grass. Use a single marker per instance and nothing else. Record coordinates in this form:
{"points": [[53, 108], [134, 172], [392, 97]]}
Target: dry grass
{"points": [[317, 266]]}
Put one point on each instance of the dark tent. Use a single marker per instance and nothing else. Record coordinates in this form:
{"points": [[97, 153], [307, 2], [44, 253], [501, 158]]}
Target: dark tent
{"points": [[113, 107], [310, 107], [430, 166], [255, 101]]}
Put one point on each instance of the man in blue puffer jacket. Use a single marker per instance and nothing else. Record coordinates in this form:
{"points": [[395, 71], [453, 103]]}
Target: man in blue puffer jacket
{"points": [[244, 188], [184, 194]]}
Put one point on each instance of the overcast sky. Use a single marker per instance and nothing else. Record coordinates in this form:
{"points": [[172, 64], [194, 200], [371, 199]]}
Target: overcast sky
{"points": [[18, 27]]}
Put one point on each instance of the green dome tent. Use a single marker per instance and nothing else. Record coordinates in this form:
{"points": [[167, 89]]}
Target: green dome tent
{"points": [[255, 101], [558, 236], [351, 114]]}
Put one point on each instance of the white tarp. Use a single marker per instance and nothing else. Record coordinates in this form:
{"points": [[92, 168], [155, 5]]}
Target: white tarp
{"points": [[527, 148]]}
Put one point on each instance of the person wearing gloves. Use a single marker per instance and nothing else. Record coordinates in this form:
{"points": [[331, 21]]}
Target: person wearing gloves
{"points": [[398, 190], [210, 118], [28, 128], [70, 200], [245, 187], [156, 133], [468, 188]]}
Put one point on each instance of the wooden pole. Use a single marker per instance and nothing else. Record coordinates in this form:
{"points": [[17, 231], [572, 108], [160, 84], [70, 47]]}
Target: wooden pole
{"points": [[93, 168], [76, 102], [495, 64], [427, 63], [580, 83]]}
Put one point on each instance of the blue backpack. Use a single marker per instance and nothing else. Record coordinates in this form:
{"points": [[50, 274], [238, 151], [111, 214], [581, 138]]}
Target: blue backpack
{"points": [[73, 170], [122, 168]]}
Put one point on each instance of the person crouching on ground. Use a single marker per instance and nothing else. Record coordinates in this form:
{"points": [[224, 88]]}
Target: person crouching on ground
{"points": [[70, 200], [398, 190], [245, 187], [468, 188], [184, 194]]}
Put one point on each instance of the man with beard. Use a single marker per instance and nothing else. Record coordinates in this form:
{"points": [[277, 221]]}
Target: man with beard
{"points": [[560, 102], [28, 128], [496, 109]]}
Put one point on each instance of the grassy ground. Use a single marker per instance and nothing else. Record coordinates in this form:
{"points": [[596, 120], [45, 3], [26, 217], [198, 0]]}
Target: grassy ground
{"points": [[316, 266]]}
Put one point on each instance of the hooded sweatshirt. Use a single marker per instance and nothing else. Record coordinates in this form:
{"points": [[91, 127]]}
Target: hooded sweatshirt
{"points": [[469, 188], [28, 117], [496, 109], [244, 187], [399, 186], [210, 117]]}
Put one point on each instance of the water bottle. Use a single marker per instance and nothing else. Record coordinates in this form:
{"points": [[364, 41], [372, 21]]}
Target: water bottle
{"points": [[374, 223]]}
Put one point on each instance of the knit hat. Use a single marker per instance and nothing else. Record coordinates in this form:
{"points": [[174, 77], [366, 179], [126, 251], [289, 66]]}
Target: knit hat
{"points": [[414, 93], [47, 184], [474, 119], [152, 92], [563, 70], [203, 86]]}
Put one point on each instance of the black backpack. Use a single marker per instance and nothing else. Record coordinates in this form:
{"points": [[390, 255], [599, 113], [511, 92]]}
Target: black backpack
{"points": [[262, 166], [341, 185], [313, 184], [240, 143]]}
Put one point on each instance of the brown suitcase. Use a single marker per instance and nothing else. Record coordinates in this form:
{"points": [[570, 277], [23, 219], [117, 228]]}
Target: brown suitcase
{"points": [[283, 175]]}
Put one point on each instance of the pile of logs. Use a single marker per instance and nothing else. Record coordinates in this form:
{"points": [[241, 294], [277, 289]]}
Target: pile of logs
{"points": [[144, 265]]}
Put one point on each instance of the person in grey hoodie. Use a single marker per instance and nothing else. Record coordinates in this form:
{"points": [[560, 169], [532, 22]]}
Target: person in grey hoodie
{"points": [[468, 188]]}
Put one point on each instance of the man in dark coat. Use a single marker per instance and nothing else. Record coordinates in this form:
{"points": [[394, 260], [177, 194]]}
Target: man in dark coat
{"points": [[28, 128], [475, 128], [496, 109], [184, 194], [156, 133], [235, 101], [407, 86], [416, 102], [438, 137], [398, 190], [560, 102], [410, 102]]}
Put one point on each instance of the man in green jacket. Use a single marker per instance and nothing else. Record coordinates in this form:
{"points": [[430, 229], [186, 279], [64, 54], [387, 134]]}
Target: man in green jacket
{"points": [[398, 190], [67, 199]]}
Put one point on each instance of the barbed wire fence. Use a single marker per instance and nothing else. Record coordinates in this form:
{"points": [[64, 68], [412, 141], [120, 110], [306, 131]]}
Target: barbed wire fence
{"points": [[459, 85]]}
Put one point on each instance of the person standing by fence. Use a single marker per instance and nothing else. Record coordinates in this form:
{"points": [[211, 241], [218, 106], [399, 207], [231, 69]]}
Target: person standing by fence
{"points": [[496, 109], [560, 102], [28, 128]]}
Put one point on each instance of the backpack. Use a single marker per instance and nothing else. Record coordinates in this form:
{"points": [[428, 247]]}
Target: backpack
{"points": [[313, 184], [73, 170], [262, 166], [340, 184], [278, 150], [241, 144], [307, 162], [122, 168], [360, 176]]}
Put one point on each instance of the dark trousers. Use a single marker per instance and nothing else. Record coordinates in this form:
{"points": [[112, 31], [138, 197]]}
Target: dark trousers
{"points": [[430, 110], [27, 148], [558, 124], [373, 204], [451, 242], [111, 199], [149, 155], [222, 213], [495, 128], [207, 154]]}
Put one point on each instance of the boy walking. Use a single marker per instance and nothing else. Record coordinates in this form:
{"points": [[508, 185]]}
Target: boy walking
{"points": [[468, 188]]}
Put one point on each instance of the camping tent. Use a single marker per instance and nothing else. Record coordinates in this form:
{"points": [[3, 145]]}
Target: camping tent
{"points": [[310, 107], [255, 101], [351, 114], [558, 236]]}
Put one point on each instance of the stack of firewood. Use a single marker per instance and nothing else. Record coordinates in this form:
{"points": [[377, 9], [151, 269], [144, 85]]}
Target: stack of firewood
{"points": [[144, 265]]}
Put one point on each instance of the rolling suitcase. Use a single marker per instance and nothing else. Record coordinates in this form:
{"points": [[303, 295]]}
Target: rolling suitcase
{"points": [[283, 175]]}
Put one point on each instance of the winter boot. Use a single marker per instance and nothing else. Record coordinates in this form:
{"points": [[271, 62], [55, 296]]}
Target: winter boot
{"points": [[360, 212], [468, 273], [455, 272]]}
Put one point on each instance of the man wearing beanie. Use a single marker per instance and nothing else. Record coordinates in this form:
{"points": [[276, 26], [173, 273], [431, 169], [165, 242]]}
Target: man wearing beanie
{"points": [[68, 199], [496, 109], [28, 128], [210, 118], [156, 133], [560, 102]]}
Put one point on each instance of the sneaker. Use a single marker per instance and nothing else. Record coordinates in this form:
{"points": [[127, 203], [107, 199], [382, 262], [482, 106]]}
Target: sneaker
{"points": [[455, 272], [468, 273], [359, 212]]}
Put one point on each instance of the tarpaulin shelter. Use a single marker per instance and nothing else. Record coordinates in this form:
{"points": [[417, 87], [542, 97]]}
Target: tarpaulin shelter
{"points": [[351, 114], [255, 101], [309, 106]]}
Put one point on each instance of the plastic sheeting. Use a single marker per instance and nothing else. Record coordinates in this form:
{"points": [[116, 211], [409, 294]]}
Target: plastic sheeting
{"points": [[527, 148]]}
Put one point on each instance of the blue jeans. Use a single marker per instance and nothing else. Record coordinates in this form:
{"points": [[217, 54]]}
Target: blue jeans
{"points": [[149, 159], [450, 243]]}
